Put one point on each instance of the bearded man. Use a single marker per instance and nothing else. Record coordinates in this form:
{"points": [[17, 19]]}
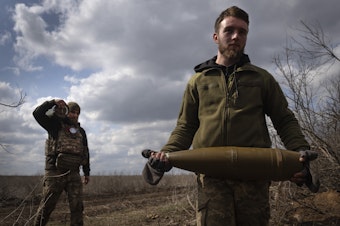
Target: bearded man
{"points": [[66, 149], [225, 104]]}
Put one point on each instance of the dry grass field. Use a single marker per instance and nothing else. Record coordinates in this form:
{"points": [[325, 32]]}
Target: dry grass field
{"points": [[108, 200], [128, 200]]}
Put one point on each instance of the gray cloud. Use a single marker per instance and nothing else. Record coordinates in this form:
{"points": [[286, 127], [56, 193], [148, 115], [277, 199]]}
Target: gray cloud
{"points": [[140, 56]]}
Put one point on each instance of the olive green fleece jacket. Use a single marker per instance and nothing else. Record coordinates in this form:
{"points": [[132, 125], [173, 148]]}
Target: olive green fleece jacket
{"points": [[227, 106]]}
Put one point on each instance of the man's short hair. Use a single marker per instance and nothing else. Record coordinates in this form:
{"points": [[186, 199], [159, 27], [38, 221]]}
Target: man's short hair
{"points": [[233, 11]]}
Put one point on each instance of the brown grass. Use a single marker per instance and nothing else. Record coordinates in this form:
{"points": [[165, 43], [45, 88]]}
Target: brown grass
{"points": [[128, 200]]}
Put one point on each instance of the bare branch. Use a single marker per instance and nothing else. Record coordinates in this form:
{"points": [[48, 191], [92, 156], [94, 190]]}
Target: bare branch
{"points": [[4, 147], [16, 104], [317, 106], [13, 105], [314, 45]]}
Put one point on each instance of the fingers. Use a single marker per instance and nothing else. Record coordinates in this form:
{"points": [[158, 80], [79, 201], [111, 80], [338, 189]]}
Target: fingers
{"points": [[60, 103], [86, 180], [159, 155], [303, 156], [159, 161], [307, 155], [299, 178], [61, 109], [147, 153]]}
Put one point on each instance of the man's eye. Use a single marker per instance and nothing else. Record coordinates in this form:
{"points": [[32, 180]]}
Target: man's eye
{"points": [[243, 32], [229, 30]]}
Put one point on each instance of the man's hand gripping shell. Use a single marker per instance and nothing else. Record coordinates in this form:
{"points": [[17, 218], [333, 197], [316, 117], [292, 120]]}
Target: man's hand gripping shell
{"points": [[307, 176], [157, 160]]}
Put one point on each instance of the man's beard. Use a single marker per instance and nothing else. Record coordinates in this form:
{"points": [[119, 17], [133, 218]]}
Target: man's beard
{"points": [[71, 121], [230, 52]]}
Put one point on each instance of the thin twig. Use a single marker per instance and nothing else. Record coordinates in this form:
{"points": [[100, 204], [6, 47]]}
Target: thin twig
{"points": [[29, 195], [23, 201], [190, 203]]}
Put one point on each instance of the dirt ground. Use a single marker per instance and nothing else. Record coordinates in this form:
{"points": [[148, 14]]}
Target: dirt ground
{"points": [[174, 207], [321, 209], [160, 208]]}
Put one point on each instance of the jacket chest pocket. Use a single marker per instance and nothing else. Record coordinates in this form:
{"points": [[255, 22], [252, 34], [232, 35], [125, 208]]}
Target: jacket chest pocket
{"points": [[211, 96], [248, 95]]}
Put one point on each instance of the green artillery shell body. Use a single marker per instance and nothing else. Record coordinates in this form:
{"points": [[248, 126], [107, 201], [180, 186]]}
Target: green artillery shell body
{"points": [[239, 163]]}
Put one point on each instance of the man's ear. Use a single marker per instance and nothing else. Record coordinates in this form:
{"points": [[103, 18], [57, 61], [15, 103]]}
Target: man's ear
{"points": [[215, 38]]}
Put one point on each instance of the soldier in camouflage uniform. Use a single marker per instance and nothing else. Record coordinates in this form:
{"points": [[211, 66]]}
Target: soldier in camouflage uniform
{"points": [[225, 104], [66, 150]]}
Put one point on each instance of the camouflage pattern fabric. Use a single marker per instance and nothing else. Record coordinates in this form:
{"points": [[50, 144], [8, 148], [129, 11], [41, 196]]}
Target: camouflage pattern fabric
{"points": [[232, 203], [70, 140], [70, 148], [50, 146], [54, 184], [66, 162]]}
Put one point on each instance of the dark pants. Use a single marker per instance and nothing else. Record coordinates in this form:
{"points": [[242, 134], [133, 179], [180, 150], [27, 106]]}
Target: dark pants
{"points": [[54, 185], [232, 203]]}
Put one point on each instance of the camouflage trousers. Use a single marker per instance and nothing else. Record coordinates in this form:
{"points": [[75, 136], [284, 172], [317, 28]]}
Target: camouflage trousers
{"points": [[54, 185], [232, 203]]}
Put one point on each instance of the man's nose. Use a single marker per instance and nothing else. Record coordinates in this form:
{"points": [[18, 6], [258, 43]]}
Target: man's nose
{"points": [[235, 35]]}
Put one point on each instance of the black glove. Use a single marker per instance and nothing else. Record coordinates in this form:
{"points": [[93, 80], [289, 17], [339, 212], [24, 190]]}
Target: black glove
{"points": [[312, 180], [157, 164], [308, 155], [154, 169], [146, 153]]}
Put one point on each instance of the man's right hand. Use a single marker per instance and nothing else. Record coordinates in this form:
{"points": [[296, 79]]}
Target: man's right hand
{"points": [[157, 160], [61, 108], [60, 103]]}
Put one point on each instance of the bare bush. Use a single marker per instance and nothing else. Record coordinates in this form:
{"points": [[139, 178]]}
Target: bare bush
{"points": [[7, 105], [313, 91], [313, 94]]}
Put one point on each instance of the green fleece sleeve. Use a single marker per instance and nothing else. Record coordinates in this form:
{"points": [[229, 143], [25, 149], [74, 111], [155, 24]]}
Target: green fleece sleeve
{"points": [[187, 122], [284, 120]]}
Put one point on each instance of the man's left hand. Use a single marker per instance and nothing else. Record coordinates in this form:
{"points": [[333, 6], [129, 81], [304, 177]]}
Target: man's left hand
{"points": [[299, 178], [305, 176], [86, 180]]}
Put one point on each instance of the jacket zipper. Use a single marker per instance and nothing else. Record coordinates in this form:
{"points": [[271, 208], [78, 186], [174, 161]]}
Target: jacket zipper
{"points": [[224, 136], [229, 80]]}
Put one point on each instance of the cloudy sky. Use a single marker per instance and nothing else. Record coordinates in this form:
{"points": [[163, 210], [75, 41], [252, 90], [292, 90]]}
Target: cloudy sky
{"points": [[126, 63]]}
